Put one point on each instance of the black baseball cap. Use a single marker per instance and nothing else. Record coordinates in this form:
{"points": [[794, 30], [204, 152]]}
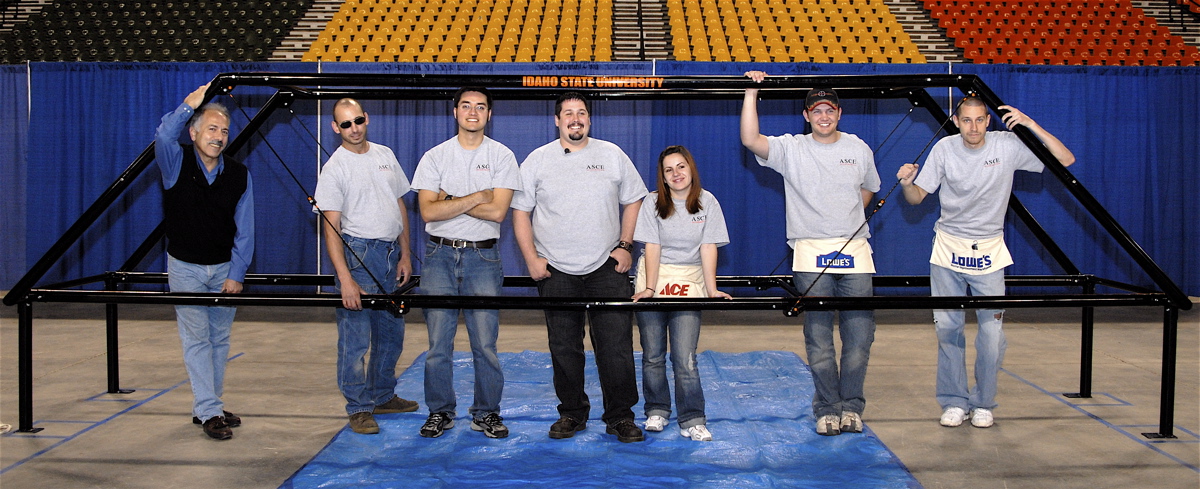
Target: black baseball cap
{"points": [[819, 96]]}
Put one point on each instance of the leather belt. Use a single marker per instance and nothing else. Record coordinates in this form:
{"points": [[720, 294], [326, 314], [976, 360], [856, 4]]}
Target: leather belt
{"points": [[462, 243]]}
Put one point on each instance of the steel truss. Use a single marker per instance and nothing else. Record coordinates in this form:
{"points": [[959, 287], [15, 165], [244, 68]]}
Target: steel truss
{"points": [[292, 87]]}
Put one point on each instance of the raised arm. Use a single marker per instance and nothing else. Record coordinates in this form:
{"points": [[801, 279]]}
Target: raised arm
{"points": [[752, 139], [1015, 117]]}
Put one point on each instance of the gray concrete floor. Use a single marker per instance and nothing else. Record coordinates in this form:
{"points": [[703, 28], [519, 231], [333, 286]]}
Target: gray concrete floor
{"points": [[282, 383]]}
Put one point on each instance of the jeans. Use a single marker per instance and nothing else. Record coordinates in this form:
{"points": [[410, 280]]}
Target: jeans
{"points": [[837, 393], [462, 271], [952, 343], [683, 330], [204, 333], [612, 341], [367, 383]]}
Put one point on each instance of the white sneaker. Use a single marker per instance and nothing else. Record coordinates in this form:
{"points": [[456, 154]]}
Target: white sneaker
{"points": [[851, 422], [655, 423], [696, 433], [954, 416], [982, 418], [829, 425]]}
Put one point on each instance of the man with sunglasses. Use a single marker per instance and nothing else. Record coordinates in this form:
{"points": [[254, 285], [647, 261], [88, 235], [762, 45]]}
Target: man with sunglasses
{"points": [[360, 194], [465, 185], [209, 246]]}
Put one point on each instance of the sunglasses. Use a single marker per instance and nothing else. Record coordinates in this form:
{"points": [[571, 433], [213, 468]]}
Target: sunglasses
{"points": [[358, 121]]}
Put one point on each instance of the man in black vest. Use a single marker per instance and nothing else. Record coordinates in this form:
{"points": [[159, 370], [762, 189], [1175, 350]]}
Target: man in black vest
{"points": [[208, 204]]}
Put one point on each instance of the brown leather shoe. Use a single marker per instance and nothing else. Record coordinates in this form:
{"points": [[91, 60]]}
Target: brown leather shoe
{"points": [[216, 428], [231, 420], [364, 423], [396, 405]]}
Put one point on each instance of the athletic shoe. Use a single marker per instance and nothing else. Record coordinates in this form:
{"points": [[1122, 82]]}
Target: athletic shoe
{"points": [[396, 405], [216, 428], [566, 427], [982, 418], [829, 425], [851, 422], [437, 424], [953, 416], [363, 423], [655, 423], [231, 420], [492, 426], [696, 433], [626, 431]]}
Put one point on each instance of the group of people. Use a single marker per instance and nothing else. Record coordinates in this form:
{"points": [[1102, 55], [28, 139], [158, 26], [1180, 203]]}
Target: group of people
{"points": [[578, 206]]}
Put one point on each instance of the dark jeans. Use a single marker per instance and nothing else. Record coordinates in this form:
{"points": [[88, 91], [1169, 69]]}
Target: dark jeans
{"points": [[612, 341]]}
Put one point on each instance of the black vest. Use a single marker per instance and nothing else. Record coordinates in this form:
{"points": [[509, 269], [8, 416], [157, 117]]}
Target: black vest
{"points": [[199, 216]]}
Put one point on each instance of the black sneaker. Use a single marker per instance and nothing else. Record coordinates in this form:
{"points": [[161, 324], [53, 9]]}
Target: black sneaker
{"points": [[437, 424], [492, 426], [231, 420], [626, 431], [216, 428], [566, 427]]}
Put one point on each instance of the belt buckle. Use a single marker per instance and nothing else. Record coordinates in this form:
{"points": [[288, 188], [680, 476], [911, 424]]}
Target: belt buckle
{"points": [[459, 243]]}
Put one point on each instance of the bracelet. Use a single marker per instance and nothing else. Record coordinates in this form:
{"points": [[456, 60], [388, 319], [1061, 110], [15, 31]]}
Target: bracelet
{"points": [[624, 245]]}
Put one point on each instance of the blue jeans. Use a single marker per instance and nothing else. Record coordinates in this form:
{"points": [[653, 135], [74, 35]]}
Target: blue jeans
{"points": [[367, 383], [462, 271], [837, 393], [612, 340], [952, 343], [204, 333], [683, 330]]}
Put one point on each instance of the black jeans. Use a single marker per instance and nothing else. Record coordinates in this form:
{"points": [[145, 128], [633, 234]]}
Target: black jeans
{"points": [[612, 341]]}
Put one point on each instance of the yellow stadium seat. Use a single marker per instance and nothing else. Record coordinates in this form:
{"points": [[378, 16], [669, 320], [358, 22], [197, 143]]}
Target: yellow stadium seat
{"points": [[682, 53], [740, 55], [583, 53], [524, 55], [603, 53], [486, 54], [309, 56]]}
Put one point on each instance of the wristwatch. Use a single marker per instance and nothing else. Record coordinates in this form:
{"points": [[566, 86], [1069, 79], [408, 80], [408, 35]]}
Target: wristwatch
{"points": [[624, 245]]}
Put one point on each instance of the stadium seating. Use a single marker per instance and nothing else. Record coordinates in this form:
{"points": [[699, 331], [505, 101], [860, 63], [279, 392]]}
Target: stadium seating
{"points": [[1075, 32], [788, 31], [467, 31]]}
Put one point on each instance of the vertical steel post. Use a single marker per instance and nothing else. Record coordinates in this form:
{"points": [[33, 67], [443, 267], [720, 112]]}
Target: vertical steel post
{"points": [[1166, 407], [1086, 345], [25, 367], [112, 346]]}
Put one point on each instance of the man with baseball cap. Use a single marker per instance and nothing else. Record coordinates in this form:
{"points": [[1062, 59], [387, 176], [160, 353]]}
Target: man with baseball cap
{"points": [[829, 178]]}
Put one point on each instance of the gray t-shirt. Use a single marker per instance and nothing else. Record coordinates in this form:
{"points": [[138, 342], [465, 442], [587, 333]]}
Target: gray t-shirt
{"points": [[681, 235], [976, 183], [575, 200], [365, 189], [823, 184], [459, 171]]}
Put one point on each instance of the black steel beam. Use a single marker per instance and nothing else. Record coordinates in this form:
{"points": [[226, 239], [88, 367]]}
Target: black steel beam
{"points": [[1089, 203], [556, 303]]}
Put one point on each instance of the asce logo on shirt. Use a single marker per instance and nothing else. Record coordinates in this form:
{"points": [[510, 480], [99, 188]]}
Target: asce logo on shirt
{"points": [[594, 167], [848, 162], [483, 167]]}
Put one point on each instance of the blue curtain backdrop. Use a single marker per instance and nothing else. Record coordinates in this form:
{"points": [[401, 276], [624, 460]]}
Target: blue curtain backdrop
{"points": [[14, 119], [1132, 129]]}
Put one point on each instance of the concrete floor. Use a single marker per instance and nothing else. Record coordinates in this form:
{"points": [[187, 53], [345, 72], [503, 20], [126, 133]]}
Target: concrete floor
{"points": [[282, 382]]}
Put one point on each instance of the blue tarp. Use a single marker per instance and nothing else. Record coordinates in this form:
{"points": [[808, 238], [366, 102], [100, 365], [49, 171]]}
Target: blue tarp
{"points": [[759, 411]]}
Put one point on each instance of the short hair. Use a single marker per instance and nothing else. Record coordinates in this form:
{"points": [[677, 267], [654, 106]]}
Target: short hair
{"points": [[969, 100], [587, 105], [194, 124], [486, 94]]}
